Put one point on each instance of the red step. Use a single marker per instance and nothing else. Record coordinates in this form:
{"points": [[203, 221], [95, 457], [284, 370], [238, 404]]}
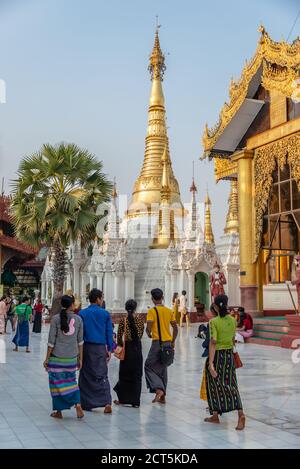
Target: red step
{"points": [[273, 327], [263, 341]]}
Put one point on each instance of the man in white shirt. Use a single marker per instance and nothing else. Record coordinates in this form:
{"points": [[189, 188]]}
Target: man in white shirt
{"points": [[183, 309]]}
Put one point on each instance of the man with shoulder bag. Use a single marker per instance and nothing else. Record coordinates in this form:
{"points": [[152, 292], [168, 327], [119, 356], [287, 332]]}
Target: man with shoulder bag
{"points": [[160, 320]]}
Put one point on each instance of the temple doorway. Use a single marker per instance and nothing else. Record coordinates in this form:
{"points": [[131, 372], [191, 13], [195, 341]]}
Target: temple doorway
{"points": [[202, 290]]}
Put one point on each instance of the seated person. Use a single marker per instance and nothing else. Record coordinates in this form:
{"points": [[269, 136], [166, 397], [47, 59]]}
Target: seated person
{"points": [[245, 326], [235, 314]]}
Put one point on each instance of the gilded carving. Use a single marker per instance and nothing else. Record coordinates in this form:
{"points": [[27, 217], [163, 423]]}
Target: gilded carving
{"points": [[225, 168], [282, 151], [281, 79], [268, 52]]}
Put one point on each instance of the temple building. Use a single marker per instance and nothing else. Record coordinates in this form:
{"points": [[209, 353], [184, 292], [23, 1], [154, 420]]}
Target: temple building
{"points": [[256, 146], [158, 241], [20, 265]]}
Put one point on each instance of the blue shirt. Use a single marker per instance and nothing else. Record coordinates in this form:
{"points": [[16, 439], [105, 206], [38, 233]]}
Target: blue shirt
{"points": [[97, 326]]}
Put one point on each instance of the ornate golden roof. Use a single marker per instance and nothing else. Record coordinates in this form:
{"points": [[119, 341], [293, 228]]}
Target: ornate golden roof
{"points": [[280, 63]]}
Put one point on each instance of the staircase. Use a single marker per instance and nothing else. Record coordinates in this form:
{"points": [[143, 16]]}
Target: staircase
{"points": [[269, 330]]}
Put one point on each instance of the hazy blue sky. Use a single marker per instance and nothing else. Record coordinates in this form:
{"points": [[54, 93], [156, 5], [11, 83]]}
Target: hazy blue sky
{"points": [[76, 70]]}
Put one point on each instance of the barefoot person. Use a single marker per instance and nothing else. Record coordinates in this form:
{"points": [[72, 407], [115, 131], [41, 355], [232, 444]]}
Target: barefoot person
{"points": [[64, 357], [3, 314], [157, 372], [98, 344], [38, 312], [23, 313], [183, 309], [129, 386], [221, 383]]}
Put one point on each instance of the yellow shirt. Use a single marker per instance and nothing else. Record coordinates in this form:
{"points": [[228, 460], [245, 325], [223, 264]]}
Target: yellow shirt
{"points": [[166, 316]]}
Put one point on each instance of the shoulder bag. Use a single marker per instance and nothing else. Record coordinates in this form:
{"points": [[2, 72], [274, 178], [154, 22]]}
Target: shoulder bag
{"points": [[166, 351], [237, 360], [120, 351]]}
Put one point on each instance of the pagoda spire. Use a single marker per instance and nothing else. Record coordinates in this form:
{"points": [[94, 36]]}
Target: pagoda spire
{"points": [[232, 219], [114, 190], [113, 222], [146, 195], [193, 190], [165, 226], [208, 232]]}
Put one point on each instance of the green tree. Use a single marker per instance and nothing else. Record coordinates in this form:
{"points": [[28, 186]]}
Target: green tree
{"points": [[54, 202]]}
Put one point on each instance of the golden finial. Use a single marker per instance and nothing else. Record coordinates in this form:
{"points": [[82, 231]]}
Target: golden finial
{"points": [[114, 191], [232, 219], [208, 232], [193, 187], [157, 59], [207, 199]]}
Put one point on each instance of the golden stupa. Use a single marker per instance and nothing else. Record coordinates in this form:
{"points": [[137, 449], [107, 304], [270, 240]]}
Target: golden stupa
{"points": [[146, 196]]}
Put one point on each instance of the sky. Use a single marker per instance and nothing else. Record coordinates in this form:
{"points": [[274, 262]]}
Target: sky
{"points": [[76, 71]]}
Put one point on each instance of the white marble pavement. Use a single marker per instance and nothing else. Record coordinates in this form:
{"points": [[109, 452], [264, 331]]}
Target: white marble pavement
{"points": [[269, 386]]}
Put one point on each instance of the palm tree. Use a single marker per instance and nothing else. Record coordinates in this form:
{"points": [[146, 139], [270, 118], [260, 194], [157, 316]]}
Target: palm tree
{"points": [[54, 202]]}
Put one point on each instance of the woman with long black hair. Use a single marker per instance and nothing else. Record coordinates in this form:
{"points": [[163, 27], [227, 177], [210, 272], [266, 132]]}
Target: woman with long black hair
{"points": [[221, 383], [64, 358], [129, 386]]}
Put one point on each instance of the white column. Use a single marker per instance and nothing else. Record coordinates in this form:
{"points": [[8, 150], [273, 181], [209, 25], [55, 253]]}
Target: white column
{"points": [[68, 282], [99, 280], [52, 290], [76, 290], [46, 292], [43, 296], [117, 289], [83, 288], [168, 288], [181, 281], [173, 283], [191, 291], [129, 285], [108, 290], [92, 279]]}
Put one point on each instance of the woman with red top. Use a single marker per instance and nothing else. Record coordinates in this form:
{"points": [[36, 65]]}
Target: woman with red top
{"points": [[245, 327], [38, 311]]}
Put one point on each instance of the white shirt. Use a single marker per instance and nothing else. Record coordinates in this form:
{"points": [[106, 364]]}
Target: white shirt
{"points": [[182, 302]]}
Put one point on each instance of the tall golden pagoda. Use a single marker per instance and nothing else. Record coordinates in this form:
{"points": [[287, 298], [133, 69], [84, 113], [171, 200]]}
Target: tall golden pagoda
{"points": [[146, 195]]}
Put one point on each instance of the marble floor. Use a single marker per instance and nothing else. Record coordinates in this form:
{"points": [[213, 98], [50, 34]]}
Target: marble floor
{"points": [[269, 385]]}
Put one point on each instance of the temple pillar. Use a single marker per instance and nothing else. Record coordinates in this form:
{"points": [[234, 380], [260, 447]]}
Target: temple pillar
{"points": [[167, 292], [181, 281], [173, 284], [129, 285], [191, 292], [76, 277], [117, 290], [248, 268], [92, 281], [68, 282], [108, 291], [83, 287], [100, 281], [43, 291]]}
